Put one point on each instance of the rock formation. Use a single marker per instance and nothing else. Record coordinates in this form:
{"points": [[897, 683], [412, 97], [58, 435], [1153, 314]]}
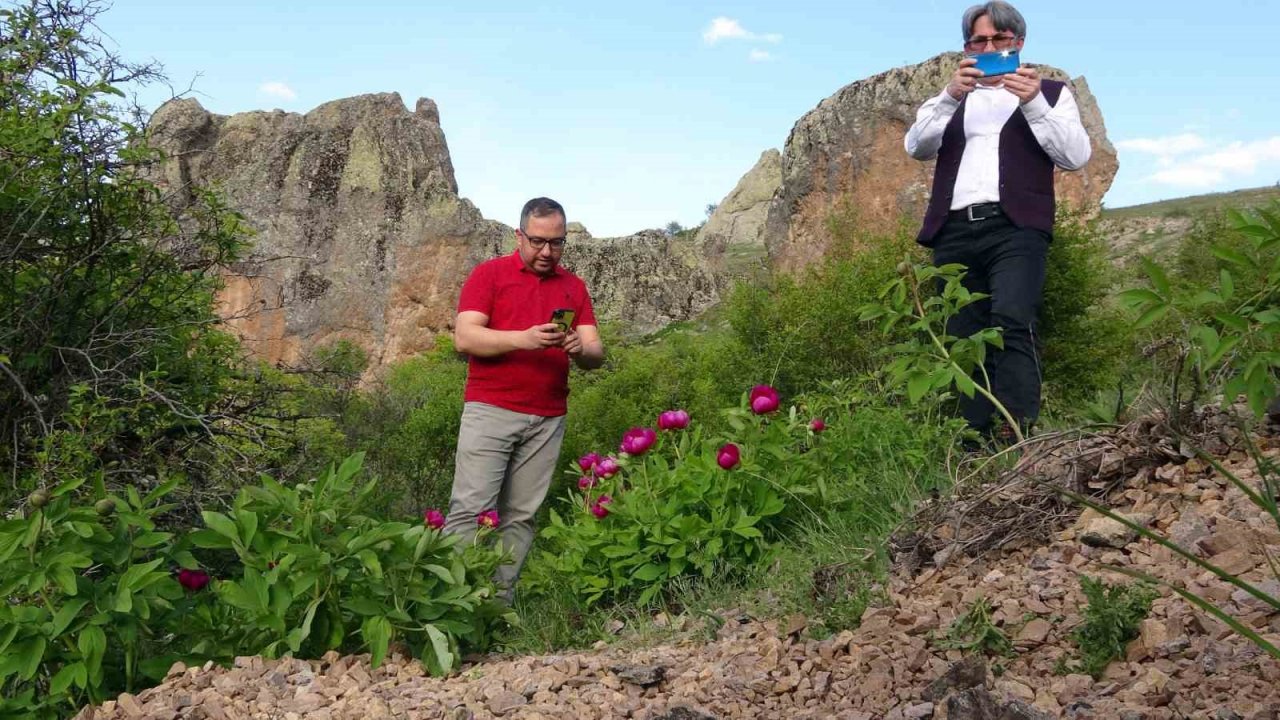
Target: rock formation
{"points": [[361, 235], [739, 218], [846, 155]]}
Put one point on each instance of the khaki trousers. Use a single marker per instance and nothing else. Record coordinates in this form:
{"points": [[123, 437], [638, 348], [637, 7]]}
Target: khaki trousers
{"points": [[505, 461]]}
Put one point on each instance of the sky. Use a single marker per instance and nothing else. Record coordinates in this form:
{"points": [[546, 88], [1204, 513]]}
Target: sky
{"points": [[637, 114]]}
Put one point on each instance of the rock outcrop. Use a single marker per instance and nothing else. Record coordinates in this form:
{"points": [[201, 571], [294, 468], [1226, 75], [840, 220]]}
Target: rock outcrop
{"points": [[361, 235], [846, 156], [739, 219]]}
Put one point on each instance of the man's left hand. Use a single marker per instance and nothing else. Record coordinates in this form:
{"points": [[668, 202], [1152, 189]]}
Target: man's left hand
{"points": [[1025, 83], [572, 344]]}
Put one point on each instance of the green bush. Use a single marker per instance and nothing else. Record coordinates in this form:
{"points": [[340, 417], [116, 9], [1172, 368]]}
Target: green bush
{"points": [[99, 601], [694, 504]]}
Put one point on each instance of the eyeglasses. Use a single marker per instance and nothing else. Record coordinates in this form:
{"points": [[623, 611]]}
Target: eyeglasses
{"points": [[1001, 42], [539, 243]]}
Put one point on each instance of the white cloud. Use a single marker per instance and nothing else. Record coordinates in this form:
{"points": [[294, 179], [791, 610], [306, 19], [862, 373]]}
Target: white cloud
{"points": [[1210, 168], [277, 90], [1166, 146], [759, 56], [723, 28]]}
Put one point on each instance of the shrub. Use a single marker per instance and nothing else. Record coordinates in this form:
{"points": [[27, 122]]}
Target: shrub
{"points": [[684, 503]]}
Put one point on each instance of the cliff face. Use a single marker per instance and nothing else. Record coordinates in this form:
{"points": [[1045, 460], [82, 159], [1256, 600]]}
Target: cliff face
{"points": [[361, 235], [846, 155]]}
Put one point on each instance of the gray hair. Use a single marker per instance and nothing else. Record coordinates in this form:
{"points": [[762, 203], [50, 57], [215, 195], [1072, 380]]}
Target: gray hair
{"points": [[539, 207], [1003, 15]]}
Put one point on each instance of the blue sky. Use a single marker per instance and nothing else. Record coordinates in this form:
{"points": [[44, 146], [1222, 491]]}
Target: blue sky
{"points": [[636, 114]]}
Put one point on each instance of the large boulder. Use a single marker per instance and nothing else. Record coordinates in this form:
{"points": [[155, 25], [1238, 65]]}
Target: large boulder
{"points": [[844, 160], [361, 235], [739, 219]]}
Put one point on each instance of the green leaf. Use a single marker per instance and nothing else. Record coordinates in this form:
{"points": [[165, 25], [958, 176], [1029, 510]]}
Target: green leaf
{"points": [[1150, 316], [248, 522], [72, 673], [1229, 255], [917, 385], [32, 655], [376, 631], [65, 615], [440, 572], [1159, 280], [1226, 284], [221, 524], [440, 646], [648, 572], [65, 578], [1137, 297]]}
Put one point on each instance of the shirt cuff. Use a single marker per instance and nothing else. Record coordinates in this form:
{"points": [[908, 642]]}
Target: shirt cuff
{"points": [[1037, 108], [946, 102]]}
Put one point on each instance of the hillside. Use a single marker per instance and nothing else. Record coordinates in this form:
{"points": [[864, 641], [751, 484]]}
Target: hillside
{"points": [[1153, 227]]}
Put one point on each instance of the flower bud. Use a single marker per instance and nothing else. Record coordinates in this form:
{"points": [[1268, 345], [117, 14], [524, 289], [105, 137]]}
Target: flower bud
{"points": [[904, 269], [105, 507], [39, 498]]}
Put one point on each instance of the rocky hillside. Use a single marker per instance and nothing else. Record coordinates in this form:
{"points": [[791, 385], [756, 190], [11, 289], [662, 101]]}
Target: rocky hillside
{"points": [[897, 664], [361, 234]]}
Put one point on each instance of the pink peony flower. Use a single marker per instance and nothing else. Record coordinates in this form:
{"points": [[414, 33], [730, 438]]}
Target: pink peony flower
{"points": [[606, 467], [728, 457], [598, 507], [817, 425], [433, 519], [588, 461], [193, 580], [673, 420], [638, 440], [764, 399], [586, 482], [487, 519]]}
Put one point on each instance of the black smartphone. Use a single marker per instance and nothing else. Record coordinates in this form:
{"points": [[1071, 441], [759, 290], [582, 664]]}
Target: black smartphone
{"points": [[562, 317]]}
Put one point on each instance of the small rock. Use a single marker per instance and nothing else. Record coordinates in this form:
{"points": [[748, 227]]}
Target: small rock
{"points": [[642, 675], [968, 673], [684, 712], [505, 702], [923, 710], [1102, 531], [1033, 633]]}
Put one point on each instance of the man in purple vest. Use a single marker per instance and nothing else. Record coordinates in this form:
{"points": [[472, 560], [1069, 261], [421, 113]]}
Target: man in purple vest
{"points": [[997, 140]]}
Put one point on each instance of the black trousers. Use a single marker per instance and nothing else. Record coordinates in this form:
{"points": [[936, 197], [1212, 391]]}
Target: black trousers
{"points": [[1007, 263]]}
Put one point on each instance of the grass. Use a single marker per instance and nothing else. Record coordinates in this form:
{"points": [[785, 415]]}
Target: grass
{"points": [[1196, 205]]}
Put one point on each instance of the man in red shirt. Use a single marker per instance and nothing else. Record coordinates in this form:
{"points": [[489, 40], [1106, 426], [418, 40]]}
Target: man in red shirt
{"points": [[517, 381]]}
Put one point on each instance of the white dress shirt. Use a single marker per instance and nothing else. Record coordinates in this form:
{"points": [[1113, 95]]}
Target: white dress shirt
{"points": [[1057, 128]]}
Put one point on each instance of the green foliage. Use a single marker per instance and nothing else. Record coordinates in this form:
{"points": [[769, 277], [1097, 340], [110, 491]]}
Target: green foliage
{"points": [[1086, 338], [975, 631], [799, 331], [1111, 620], [93, 609], [317, 573], [675, 511], [89, 599], [106, 295], [1229, 331]]}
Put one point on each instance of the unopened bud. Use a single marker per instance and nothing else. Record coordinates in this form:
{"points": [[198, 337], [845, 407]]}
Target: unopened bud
{"points": [[39, 498], [105, 506]]}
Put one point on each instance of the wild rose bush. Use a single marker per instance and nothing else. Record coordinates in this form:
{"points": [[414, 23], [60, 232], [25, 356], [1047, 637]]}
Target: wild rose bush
{"points": [[677, 502]]}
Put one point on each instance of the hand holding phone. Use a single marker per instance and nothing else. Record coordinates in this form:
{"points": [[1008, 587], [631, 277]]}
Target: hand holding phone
{"points": [[563, 317], [1000, 62]]}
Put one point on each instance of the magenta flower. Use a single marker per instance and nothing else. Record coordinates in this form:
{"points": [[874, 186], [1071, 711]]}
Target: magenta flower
{"points": [[487, 519], [598, 507], [817, 425], [606, 467], [193, 580], [728, 457], [433, 519], [638, 440], [586, 482], [588, 461], [764, 399], [673, 420]]}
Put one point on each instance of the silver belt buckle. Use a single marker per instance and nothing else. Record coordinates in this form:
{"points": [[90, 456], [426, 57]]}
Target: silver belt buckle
{"points": [[969, 212]]}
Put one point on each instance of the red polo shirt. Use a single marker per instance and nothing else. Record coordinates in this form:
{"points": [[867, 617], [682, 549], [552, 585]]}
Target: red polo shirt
{"points": [[516, 298]]}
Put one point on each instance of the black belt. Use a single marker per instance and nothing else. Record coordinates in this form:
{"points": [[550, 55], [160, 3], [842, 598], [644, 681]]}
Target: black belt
{"points": [[973, 213]]}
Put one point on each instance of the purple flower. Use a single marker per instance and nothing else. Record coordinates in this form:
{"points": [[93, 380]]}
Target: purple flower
{"points": [[598, 507], [673, 420], [588, 461], [817, 425], [764, 399], [487, 519], [638, 440], [728, 457], [606, 467], [586, 482], [193, 580], [433, 519]]}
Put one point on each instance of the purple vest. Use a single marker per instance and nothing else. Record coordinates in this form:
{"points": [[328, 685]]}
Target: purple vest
{"points": [[1026, 172]]}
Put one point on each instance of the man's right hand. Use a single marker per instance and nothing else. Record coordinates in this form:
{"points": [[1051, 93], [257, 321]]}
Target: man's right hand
{"points": [[964, 79], [541, 336]]}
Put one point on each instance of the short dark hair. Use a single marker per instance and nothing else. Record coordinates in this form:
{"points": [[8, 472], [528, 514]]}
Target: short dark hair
{"points": [[1003, 16], [540, 207]]}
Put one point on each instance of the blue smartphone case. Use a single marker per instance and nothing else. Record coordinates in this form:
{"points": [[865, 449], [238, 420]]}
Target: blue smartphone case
{"points": [[1001, 62]]}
